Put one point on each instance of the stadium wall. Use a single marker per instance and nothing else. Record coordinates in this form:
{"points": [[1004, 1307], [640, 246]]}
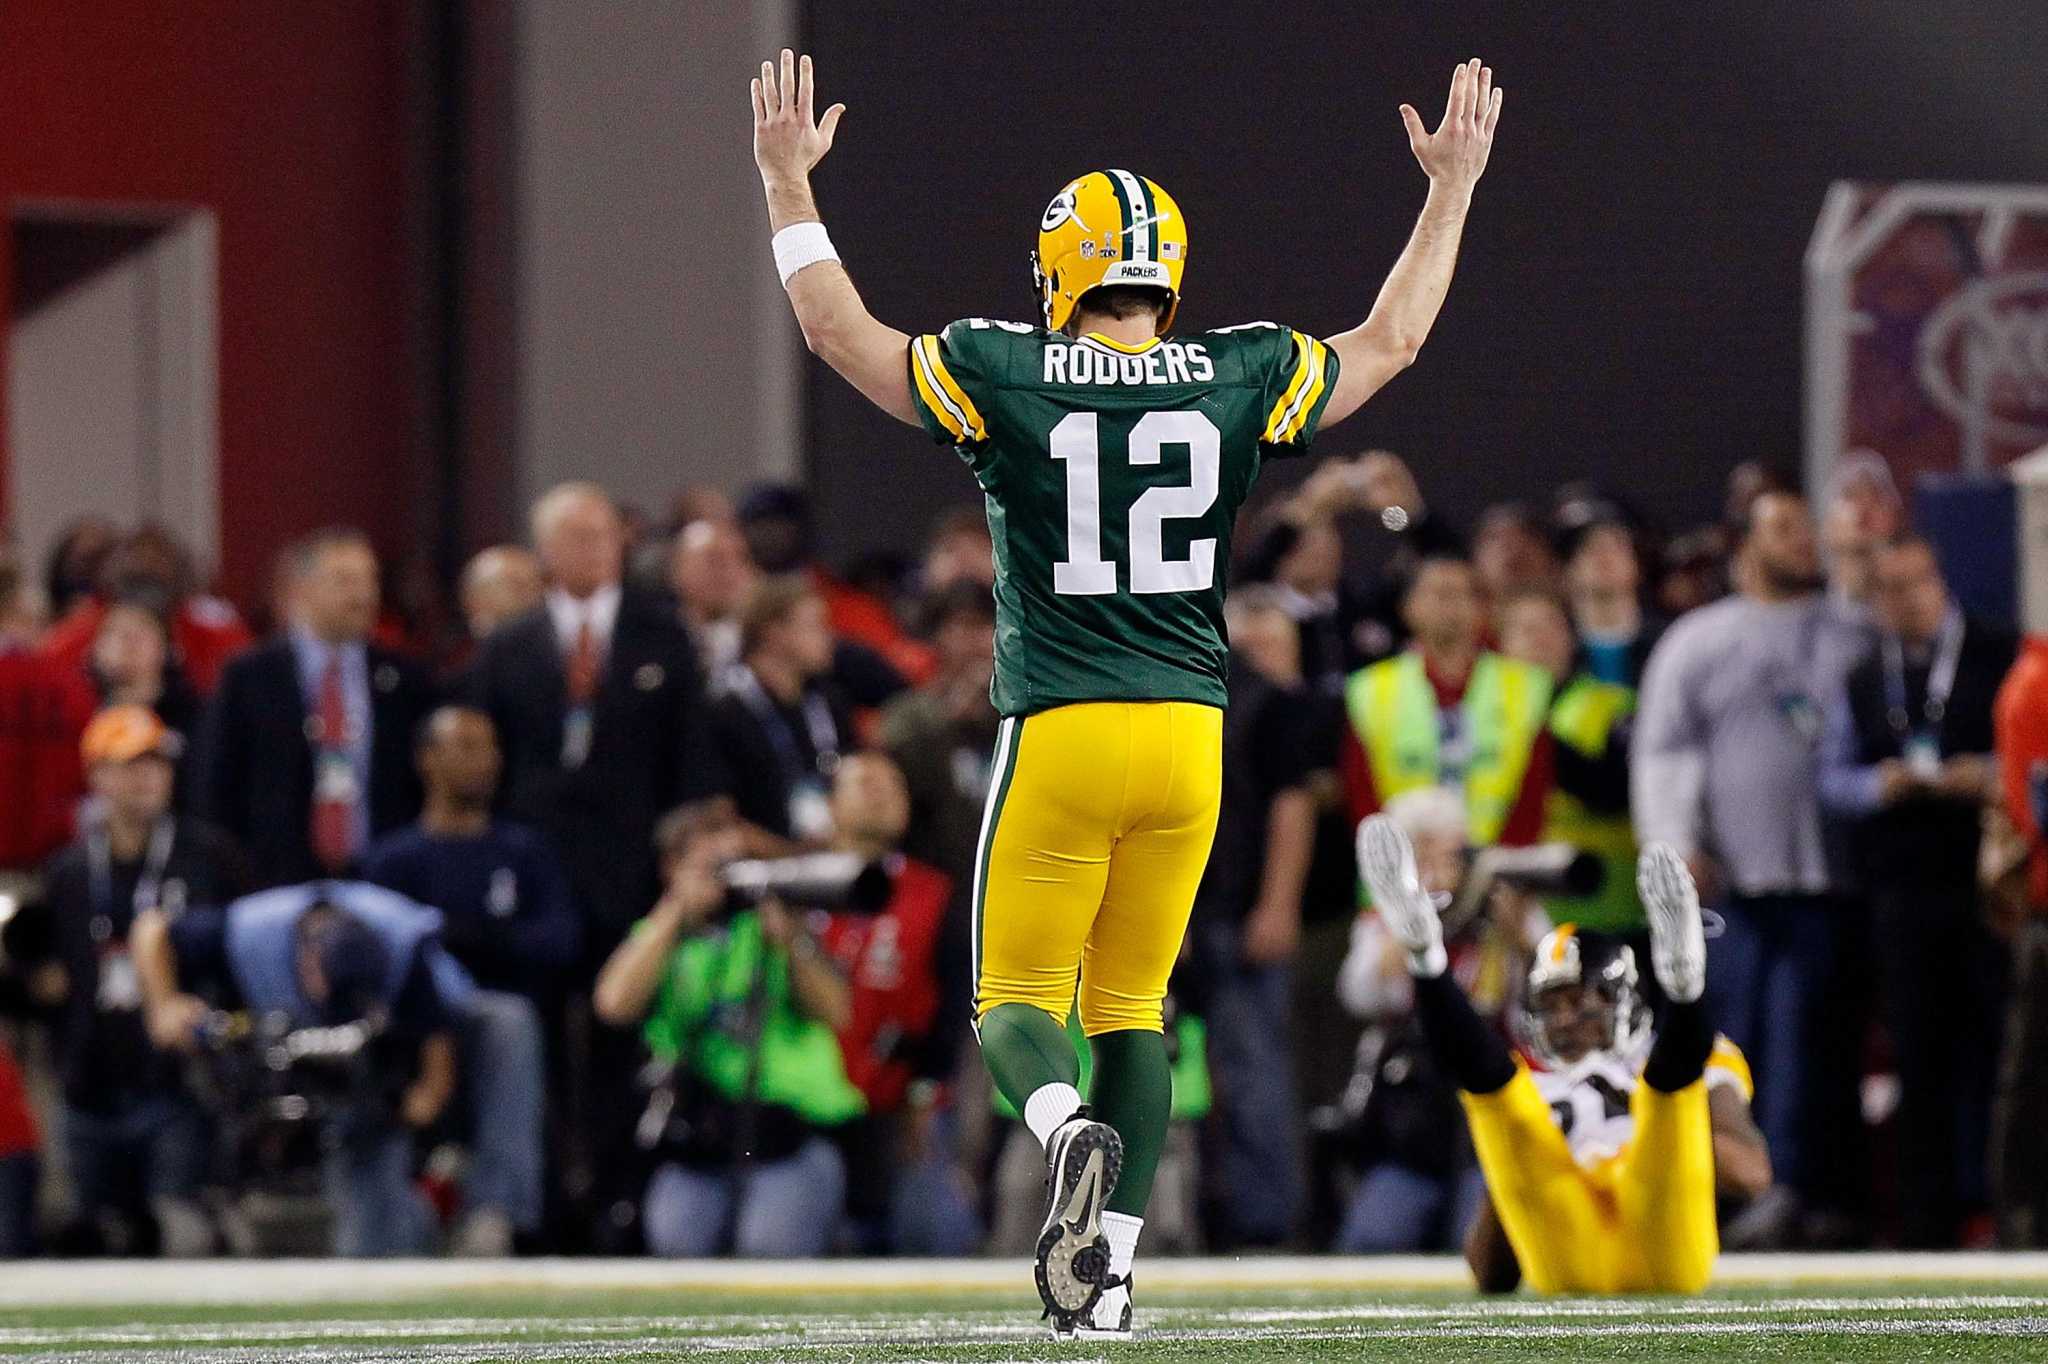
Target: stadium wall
{"points": [[290, 123]]}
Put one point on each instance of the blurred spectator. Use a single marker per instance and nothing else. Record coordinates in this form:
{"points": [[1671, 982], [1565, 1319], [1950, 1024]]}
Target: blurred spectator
{"points": [[1908, 758], [943, 734], [205, 631], [1863, 512], [1695, 572], [959, 551], [1725, 768], [780, 728], [1603, 581], [136, 1142], [701, 502], [1421, 1188], [600, 716], [500, 888], [306, 750], [1748, 481], [2019, 1161], [500, 584], [741, 1007], [1448, 712], [1512, 551], [910, 988], [711, 575], [776, 520], [71, 573], [1591, 722], [20, 1164], [598, 707], [1345, 625], [326, 956], [44, 708], [504, 902], [133, 663], [1247, 924]]}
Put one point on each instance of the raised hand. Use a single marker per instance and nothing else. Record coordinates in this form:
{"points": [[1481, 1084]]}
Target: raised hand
{"points": [[1455, 154], [788, 140]]}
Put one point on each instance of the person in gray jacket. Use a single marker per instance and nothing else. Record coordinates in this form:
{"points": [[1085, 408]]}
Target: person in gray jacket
{"points": [[1726, 769]]}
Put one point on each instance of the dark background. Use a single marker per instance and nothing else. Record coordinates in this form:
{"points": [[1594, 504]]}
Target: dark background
{"points": [[1628, 304]]}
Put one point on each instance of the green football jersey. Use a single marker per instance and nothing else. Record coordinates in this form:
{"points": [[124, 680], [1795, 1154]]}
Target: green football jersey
{"points": [[1113, 477]]}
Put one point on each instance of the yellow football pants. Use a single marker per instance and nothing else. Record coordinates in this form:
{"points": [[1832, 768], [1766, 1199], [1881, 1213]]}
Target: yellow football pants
{"points": [[1096, 833], [1642, 1222]]}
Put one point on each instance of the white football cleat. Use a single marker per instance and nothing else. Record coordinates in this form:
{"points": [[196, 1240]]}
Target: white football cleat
{"points": [[1678, 940], [1386, 859], [1083, 1161]]}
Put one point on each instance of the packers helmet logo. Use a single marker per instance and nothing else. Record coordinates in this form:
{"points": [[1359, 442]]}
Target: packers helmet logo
{"points": [[1062, 209]]}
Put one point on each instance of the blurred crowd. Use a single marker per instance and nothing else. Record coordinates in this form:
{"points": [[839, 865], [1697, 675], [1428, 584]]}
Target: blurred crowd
{"points": [[621, 901]]}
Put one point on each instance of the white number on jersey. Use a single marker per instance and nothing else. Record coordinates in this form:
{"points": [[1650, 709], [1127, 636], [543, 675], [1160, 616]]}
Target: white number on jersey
{"points": [[1084, 572]]}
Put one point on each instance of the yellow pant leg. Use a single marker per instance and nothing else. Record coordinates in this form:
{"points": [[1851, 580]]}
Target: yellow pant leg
{"points": [[1665, 1188], [1175, 787], [1548, 1206], [1047, 831]]}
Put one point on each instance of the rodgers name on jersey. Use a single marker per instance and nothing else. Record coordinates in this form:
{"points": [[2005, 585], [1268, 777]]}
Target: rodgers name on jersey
{"points": [[1113, 476]]}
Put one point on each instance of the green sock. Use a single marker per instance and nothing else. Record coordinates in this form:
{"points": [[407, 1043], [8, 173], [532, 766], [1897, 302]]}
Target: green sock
{"points": [[1026, 1048], [1133, 1092]]}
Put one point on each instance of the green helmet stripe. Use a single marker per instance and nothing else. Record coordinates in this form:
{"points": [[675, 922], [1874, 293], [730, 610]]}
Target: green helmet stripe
{"points": [[1151, 217], [1127, 247]]}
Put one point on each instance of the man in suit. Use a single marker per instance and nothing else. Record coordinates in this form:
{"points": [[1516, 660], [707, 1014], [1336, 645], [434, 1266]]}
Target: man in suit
{"points": [[306, 752], [597, 699], [1908, 759], [598, 704]]}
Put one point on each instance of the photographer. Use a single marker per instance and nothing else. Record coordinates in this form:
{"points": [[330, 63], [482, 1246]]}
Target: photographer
{"points": [[330, 955], [135, 1140], [1421, 1187], [906, 963], [743, 1007]]}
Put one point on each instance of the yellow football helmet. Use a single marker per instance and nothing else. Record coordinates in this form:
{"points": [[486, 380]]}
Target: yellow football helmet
{"points": [[1108, 227]]}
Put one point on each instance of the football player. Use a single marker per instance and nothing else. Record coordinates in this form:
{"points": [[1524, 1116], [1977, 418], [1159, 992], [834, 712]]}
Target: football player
{"points": [[1602, 1171], [1114, 459]]}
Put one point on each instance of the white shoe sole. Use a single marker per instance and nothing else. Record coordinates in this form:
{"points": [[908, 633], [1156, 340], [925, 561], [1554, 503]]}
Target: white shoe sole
{"points": [[1386, 859], [1073, 1253], [1678, 943]]}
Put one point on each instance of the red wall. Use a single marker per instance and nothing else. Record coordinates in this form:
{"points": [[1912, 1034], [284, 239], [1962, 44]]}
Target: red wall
{"points": [[289, 121]]}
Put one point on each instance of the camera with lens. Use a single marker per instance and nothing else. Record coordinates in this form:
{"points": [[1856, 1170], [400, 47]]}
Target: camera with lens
{"points": [[838, 881], [1542, 869]]}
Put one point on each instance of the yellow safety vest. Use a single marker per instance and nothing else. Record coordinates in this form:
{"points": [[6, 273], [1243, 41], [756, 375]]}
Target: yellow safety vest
{"points": [[1584, 718], [1393, 711]]}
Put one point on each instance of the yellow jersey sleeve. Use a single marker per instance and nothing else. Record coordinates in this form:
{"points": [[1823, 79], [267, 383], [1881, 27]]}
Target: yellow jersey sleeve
{"points": [[1726, 1065], [947, 370], [1298, 389]]}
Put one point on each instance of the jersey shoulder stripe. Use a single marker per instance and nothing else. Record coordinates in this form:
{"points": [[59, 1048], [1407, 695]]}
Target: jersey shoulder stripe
{"points": [[1304, 387], [942, 394]]}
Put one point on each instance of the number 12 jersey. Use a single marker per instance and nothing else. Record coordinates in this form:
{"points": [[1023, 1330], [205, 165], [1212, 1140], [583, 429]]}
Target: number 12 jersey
{"points": [[1113, 476]]}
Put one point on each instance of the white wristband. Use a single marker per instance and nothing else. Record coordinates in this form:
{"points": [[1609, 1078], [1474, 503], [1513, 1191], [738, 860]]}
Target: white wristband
{"points": [[801, 244]]}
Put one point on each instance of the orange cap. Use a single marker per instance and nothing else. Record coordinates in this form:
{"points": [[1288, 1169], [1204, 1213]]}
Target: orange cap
{"points": [[122, 734]]}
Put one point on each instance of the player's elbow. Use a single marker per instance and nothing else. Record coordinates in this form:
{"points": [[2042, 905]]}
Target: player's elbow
{"points": [[1400, 350]]}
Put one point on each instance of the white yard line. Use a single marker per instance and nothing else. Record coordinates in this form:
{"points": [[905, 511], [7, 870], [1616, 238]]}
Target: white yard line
{"points": [[289, 1282], [978, 1325], [804, 1345]]}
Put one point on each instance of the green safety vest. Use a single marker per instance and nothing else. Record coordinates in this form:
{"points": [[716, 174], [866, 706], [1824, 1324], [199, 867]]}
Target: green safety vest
{"points": [[1584, 718], [800, 1065], [1393, 711], [1191, 1094]]}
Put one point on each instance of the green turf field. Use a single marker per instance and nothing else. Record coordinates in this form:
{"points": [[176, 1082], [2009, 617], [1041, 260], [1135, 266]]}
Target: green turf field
{"points": [[1873, 1321], [1792, 1308]]}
